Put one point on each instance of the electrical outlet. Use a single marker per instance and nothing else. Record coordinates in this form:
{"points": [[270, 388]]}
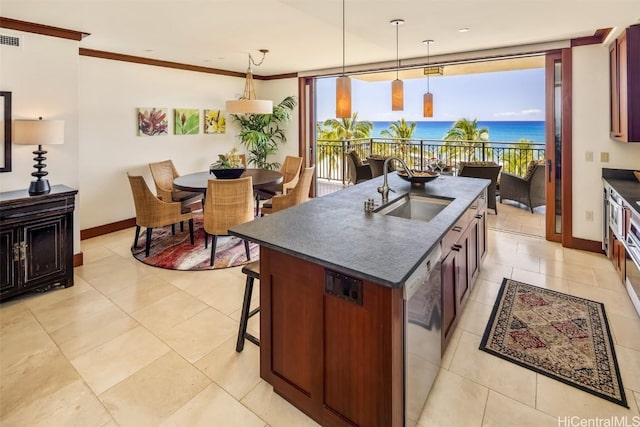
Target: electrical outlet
{"points": [[604, 157], [588, 156], [588, 215]]}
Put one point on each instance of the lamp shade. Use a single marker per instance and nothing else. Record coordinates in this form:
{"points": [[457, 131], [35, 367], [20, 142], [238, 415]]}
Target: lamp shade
{"points": [[397, 95], [38, 132], [343, 97], [428, 105], [249, 102]]}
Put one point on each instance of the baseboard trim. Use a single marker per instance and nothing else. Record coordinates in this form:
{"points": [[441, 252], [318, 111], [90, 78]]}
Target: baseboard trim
{"points": [[78, 259], [585, 245], [107, 228]]}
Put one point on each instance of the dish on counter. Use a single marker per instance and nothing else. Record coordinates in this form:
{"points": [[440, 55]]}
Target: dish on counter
{"points": [[419, 177]]}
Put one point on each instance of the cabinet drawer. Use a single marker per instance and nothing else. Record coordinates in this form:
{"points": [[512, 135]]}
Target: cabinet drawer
{"points": [[17, 212]]}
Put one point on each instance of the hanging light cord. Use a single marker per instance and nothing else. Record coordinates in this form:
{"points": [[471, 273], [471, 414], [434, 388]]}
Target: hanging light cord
{"points": [[257, 64], [428, 70], [343, 44], [397, 53]]}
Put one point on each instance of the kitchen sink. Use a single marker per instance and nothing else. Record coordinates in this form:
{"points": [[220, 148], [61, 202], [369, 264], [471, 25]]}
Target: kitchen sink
{"points": [[416, 207]]}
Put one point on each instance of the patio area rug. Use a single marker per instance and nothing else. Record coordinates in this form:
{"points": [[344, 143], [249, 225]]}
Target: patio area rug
{"points": [[175, 252], [554, 334]]}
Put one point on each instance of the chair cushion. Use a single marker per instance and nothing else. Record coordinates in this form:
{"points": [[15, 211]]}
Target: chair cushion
{"points": [[181, 196], [531, 168], [478, 164]]}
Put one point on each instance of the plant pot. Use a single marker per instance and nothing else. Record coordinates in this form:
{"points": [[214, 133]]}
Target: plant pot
{"points": [[227, 173]]}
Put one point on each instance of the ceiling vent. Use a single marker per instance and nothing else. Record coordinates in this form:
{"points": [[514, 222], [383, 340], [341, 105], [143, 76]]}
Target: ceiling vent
{"points": [[9, 40]]}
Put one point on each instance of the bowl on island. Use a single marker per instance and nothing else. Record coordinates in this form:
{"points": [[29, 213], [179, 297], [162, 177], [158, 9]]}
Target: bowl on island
{"points": [[418, 177]]}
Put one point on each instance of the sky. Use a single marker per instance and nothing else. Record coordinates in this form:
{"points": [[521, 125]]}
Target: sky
{"points": [[497, 96]]}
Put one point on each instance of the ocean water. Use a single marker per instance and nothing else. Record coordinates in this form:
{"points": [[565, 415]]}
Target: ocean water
{"points": [[499, 131]]}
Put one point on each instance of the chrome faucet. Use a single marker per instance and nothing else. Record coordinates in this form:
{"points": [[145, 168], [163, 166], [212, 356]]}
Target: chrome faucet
{"points": [[384, 188]]}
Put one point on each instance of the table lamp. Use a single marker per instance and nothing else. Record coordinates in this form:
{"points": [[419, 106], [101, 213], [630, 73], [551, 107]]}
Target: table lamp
{"points": [[39, 132]]}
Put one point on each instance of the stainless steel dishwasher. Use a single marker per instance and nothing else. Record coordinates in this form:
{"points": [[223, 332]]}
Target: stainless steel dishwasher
{"points": [[422, 333]]}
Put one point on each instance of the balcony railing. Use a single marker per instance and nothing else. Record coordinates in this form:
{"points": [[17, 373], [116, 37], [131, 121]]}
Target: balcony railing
{"points": [[332, 165]]}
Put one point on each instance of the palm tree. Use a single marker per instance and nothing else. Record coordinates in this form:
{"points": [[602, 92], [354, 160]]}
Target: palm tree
{"points": [[517, 157], [466, 133], [330, 149], [350, 128], [401, 131]]}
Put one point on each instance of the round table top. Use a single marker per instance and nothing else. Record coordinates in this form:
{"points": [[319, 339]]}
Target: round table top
{"points": [[198, 181]]}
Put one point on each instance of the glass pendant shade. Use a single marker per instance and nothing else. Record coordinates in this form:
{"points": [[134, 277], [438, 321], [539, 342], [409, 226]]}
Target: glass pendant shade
{"points": [[397, 88], [428, 105], [397, 95], [343, 97]]}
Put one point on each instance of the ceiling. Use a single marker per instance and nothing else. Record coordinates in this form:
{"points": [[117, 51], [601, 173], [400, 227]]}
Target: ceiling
{"points": [[304, 35]]}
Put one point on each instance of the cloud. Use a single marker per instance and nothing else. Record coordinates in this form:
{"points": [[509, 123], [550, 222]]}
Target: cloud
{"points": [[529, 112]]}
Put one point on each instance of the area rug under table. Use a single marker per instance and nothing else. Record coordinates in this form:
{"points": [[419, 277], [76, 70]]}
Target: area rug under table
{"points": [[175, 252], [554, 334]]}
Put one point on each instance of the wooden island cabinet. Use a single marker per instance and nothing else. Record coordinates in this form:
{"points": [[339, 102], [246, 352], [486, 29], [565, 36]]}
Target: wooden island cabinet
{"points": [[356, 307], [338, 358], [36, 240]]}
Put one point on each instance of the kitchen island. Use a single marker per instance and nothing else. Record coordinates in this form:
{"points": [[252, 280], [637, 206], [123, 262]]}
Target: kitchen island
{"points": [[336, 319]]}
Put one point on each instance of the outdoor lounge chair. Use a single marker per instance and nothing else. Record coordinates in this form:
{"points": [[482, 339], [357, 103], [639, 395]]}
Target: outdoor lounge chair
{"points": [[528, 189], [488, 170]]}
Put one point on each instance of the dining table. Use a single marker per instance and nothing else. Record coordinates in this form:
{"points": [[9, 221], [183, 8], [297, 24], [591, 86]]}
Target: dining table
{"points": [[198, 181]]}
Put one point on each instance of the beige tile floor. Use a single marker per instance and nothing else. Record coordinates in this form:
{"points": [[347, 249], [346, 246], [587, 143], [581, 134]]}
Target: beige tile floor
{"points": [[132, 345]]}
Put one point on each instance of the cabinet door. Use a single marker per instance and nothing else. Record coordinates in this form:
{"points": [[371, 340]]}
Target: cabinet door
{"points": [[474, 255], [9, 280], [614, 88], [618, 258], [291, 335], [482, 236], [623, 89], [463, 281], [449, 306], [45, 250]]}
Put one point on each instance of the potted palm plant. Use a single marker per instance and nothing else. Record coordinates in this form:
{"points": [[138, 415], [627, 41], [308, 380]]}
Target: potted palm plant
{"points": [[262, 133]]}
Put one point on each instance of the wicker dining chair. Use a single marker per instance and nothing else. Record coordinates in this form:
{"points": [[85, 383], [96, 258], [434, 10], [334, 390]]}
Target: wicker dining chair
{"points": [[152, 212], [163, 175], [298, 195], [229, 202], [290, 171]]}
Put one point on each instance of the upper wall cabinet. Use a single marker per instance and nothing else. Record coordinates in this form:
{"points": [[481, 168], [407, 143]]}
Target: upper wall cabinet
{"points": [[624, 63]]}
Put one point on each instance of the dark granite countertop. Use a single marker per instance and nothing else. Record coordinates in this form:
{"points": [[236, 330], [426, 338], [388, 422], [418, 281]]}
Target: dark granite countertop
{"points": [[335, 232], [625, 184]]}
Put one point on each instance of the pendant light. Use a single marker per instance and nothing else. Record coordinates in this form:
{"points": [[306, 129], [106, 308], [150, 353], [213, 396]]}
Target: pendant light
{"points": [[248, 103], [343, 85], [397, 90], [427, 105]]}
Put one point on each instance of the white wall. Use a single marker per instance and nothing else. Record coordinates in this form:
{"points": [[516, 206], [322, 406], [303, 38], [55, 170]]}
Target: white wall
{"points": [[591, 134], [278, 90], [110, 93], [42, 76]]}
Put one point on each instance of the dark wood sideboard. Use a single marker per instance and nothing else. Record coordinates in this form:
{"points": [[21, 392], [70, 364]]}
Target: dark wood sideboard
{"points": [[36, 240]]}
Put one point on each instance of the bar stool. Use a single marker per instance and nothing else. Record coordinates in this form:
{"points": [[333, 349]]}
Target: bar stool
{"points": [[252, 270]]}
